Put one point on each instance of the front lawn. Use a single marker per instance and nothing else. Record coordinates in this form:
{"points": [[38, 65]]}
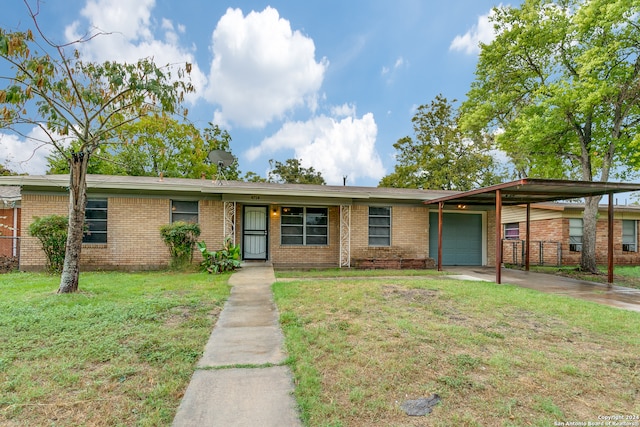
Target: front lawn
{"points": [[497, 355], [121, 351]]}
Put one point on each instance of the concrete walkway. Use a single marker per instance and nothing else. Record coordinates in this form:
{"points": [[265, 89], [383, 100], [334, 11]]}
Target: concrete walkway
{"points": [[235, 383], [615, 296]]}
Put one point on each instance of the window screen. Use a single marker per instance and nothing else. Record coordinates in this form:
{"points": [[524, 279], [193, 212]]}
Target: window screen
{"points": [[186, 211], [95, 220], [304, 226], [379, 226]]}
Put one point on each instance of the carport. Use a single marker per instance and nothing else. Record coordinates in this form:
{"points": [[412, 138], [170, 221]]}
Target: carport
{"points": [[524, 192]]}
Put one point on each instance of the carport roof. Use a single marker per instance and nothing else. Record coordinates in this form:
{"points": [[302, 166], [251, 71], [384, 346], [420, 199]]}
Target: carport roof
{"points": [[528, 190]]}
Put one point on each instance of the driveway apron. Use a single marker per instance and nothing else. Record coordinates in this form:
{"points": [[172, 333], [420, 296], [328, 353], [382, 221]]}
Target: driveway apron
{"points": [[240, 380], [615, 296]]}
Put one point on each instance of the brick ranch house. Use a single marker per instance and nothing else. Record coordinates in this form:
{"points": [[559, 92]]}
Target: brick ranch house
{"points": [[556, 234], [303, 225], [288, 225]]}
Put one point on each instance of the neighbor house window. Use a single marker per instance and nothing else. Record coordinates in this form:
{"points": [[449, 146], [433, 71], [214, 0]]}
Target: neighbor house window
{"points": [[184, 211], [629, 235], [95, 221], [575, 235], [512, 231], [304, 226], [379, 226]]}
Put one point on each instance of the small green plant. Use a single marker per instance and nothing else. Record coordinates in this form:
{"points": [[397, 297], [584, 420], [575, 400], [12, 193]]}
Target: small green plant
{"points": [[226, 259], [180, 237], [51, 230]]}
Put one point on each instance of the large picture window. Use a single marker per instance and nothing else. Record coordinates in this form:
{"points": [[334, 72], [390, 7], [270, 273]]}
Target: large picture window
{"points": [[575, 235], [95, 220], [185, 211], [379, 226], [304, 226], [629, 235]]}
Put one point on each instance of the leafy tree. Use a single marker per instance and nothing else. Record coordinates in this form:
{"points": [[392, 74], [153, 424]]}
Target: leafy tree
{"points": [[253, 177], [83, 102], [157, 144], [5, 171], [292, 172], [219, 139], [441, 157], [561, 81]]}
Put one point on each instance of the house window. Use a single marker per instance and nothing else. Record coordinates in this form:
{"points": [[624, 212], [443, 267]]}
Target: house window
{"points": [[95, 220], [184, 211], [629, 235], [304, 226], [512, 231], [379, 226], [575, 235]]}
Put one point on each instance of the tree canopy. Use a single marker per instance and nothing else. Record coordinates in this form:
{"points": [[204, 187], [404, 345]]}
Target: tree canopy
{"points": [[560, 86], [292, 172], [80, 107], [441, 157], [158, 144]]}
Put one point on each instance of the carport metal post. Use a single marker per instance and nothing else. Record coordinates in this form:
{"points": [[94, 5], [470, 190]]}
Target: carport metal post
{"points": [[498, 236], [527, 235], [440, 206], [610, 241]]}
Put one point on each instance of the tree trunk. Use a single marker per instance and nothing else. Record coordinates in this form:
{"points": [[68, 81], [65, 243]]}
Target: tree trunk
{"points": [[589, 220], [77, 204]]}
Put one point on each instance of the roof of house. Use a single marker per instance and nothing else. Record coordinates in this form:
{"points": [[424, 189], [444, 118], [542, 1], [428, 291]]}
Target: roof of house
{"points": [[265, 192], [530, 190], [9, 193]]}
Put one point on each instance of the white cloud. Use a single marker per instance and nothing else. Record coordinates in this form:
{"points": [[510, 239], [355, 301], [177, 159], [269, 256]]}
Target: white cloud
{"points": [[390, 71], [26, 155], [132, 37], [344, 110], [333, 147], [482, 32], [261, 69]]}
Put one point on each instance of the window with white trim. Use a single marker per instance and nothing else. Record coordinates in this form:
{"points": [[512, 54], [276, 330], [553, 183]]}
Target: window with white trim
{"points": [[304, 226], [186, 211], [379, 226], [512, 231], [575, 234], [629, 235], [95, 221]]}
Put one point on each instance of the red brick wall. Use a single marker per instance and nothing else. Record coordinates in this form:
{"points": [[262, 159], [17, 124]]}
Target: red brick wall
{"points": [[7, 231], [546, 234]]}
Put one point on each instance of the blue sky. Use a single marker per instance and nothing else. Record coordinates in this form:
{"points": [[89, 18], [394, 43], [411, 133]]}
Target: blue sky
{"points": [[332, 82]]}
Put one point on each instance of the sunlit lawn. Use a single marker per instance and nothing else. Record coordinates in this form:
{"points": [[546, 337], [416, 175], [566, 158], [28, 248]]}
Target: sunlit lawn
{"points": [[119, 352], [497, 355]]}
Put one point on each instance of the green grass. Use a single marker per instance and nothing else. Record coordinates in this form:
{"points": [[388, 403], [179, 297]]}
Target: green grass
{"points": [[121, 351], [498, 355]]}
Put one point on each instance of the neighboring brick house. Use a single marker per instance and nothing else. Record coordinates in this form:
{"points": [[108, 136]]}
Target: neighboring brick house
{"points": [[556, 234], [289, 225], [10, 225]]}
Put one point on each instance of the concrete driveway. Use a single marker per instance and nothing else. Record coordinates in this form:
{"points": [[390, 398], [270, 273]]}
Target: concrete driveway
{"points": [[615, 296]]}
